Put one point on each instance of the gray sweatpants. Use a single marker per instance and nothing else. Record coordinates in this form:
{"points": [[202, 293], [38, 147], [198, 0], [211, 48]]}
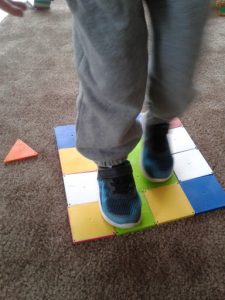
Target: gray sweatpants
{"points": [[111, 55]]}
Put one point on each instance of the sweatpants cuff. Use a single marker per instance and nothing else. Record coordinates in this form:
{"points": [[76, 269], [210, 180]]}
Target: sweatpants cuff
{"points": [[110, 163]]}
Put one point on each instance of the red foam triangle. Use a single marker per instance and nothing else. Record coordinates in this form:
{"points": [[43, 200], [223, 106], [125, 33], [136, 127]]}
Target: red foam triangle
{"points": [[19, 151]]}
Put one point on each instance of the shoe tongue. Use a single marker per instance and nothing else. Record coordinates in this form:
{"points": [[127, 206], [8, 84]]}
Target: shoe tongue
{"points": [[115, 171]]}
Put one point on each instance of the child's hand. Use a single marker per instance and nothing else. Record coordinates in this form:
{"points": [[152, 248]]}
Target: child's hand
{"points": [[12, 7]]}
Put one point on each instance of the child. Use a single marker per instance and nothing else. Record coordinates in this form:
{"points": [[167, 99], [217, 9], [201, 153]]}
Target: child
{"points": [[110, 40]]}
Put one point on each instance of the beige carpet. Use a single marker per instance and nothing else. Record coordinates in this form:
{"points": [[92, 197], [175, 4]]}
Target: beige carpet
{"points": [[38, 87]]}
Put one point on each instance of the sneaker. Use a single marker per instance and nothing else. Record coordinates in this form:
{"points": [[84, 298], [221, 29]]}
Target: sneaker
{"points": [[120, 203], [157, 161]]}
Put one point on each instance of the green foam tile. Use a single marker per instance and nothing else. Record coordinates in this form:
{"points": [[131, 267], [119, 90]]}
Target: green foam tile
{"points": [[222, 10], [142, 183], [147, 219]]}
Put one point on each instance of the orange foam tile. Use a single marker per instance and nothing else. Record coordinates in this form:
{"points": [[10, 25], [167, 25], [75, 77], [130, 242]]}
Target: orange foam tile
{"points": [[87, 223], [168, 203], [19, 151], [73, 162]]}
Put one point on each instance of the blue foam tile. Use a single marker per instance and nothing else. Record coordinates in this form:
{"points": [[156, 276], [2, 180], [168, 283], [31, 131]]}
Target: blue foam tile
{"points": [[204, 193], [65, 136], [140, 117]]}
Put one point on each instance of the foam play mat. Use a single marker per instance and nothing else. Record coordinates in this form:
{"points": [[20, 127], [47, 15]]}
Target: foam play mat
{"points": [[193, 189]]}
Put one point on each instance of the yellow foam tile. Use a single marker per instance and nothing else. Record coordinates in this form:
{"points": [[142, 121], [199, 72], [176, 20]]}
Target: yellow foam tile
{"points": [[168, 203], [73, 162], [87, 223]]}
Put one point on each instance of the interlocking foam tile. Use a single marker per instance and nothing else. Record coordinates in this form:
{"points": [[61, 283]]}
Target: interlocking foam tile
{"points": [[65, 136], [87, 223], [147, 219], [190, 164], [81, 188], [168, 203], [204, 193], [74, 162], [140, 117], [221, 11], [142, 183], [39, 4], [175, 123], [180, 140], [161, 202]]}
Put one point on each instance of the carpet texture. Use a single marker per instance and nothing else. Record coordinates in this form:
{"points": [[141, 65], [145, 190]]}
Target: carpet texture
{"points": [[181, 260]]}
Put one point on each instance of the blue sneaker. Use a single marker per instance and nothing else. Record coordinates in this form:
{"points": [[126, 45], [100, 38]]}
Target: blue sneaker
{"points": [[157, 161], [120, 203]]}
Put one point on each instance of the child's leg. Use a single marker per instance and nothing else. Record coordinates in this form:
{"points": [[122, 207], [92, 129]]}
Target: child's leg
{"points": [[111, 58], [177, 32]]}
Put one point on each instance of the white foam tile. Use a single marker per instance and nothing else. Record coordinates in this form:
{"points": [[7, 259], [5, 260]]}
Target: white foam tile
{"points": [[180, 140], [3, 14], [81, 188], [190, 164]]}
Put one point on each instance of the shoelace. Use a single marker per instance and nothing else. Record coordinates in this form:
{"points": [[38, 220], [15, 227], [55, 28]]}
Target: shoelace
{"points": [[122, 185]]}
